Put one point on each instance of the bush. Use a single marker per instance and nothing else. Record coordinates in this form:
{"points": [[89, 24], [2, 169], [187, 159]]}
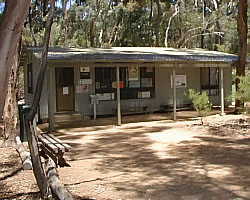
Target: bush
{"points": [[200, 102], [243, 93]]}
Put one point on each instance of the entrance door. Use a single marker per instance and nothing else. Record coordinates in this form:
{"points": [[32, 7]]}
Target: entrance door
{"points": [[65, 97]]}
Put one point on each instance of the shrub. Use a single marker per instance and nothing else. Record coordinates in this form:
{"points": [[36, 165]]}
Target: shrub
{"points": [[243, 93], [200, 102]]}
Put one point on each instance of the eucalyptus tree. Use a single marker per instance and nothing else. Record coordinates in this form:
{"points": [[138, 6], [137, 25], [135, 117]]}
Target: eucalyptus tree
{"points": [[10, 32], [208, 24], [242, 44]]}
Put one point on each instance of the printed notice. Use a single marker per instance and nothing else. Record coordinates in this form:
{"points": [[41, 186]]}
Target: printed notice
{"points": [[65, 90]]}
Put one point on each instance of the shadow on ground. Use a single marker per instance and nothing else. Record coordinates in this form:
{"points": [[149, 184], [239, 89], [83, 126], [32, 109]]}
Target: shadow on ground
{"points": [[163, 160]]}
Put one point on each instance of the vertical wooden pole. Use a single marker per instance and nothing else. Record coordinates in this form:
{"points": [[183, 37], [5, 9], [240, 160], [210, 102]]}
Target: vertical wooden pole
{"points": [[118, 96], [94, 110], [222, 90], [50, 99], [174, 94]]}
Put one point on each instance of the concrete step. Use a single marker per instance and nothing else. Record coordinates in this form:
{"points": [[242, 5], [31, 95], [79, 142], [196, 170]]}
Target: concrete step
{"points": [[67, 117]]}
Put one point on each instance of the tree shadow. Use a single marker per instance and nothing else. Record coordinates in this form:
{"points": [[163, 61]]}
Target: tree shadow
{"points": [[12, 173], [188, 168], [154, 164], [30, 195]]}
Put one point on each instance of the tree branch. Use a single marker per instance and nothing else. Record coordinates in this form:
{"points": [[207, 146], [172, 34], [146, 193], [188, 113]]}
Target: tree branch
{"points": [[31, 136]]}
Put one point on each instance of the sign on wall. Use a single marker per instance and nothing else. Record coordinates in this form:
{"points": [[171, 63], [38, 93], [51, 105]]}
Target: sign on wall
{"points": [[82, 89], [84, 69], [134, 84], [84, 73], [65, 90], [84, 81], [114, 84], [180, 81], [133, 73]]}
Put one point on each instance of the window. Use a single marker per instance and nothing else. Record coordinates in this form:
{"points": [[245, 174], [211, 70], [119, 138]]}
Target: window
{"points": [[135, 82], [104, 76], [30, 78], [210, 80]]}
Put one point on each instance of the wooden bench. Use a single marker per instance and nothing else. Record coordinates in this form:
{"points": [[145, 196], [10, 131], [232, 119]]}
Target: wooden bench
{"points": [[53, 147], [132, 110], [169, 108]]}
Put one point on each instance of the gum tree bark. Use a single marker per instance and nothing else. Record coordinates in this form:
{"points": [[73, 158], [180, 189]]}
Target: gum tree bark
{"points": [[158, 25], [242, 45], [10, 32], [176, 11], [65, 23], [10, 115], [93, 24]]}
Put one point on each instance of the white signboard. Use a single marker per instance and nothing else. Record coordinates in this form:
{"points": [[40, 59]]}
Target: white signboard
{"points": [[180, 81], [106, 96], [145, 95]]}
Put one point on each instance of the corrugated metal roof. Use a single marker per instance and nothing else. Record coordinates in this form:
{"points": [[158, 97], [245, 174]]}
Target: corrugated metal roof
{"points": [[135, 54]]}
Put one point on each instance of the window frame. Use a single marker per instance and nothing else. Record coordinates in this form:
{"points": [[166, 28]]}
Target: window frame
{"points": [[127, 91], [209, 88]]}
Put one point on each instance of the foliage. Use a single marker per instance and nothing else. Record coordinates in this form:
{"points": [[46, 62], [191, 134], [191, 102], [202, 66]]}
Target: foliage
{"points": [[243, 93], [244, 89], [136, 24], [200, 102]]}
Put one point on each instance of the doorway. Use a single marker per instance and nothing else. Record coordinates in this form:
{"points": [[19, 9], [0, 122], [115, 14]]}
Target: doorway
{"points": [[65, 96]]}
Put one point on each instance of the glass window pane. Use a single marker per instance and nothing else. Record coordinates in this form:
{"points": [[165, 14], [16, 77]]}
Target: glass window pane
{"points": [[204, 76], [213, 76]]}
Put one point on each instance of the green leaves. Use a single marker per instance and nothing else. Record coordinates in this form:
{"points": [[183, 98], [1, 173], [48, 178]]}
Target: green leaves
{"points": [[200, 102], [243, 93]]}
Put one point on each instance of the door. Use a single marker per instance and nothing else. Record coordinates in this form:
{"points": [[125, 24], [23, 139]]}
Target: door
{"points": [[65, 96]]}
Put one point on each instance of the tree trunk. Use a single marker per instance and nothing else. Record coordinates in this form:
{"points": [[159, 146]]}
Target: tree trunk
{"points": [[31, 11], [57, 188], [24, 155], [32, 139], [158, 25], [176, 11], [115, 28], [102, 34], [203, 24], [242, 45], [92, 25], [10, 32], [65, 22], [10, 115]]}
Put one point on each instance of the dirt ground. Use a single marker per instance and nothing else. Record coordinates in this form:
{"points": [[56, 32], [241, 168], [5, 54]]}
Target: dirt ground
{"points": [[148, 157]]}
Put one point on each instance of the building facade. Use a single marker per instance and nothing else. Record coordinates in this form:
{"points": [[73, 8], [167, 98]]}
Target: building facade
{"points": [[150, 79]]}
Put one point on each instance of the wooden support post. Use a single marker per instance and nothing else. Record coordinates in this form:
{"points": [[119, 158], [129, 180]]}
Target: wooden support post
{"points": [[222, 90], [94, 110], [50, 100], [174, 95], [118, 97]]}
